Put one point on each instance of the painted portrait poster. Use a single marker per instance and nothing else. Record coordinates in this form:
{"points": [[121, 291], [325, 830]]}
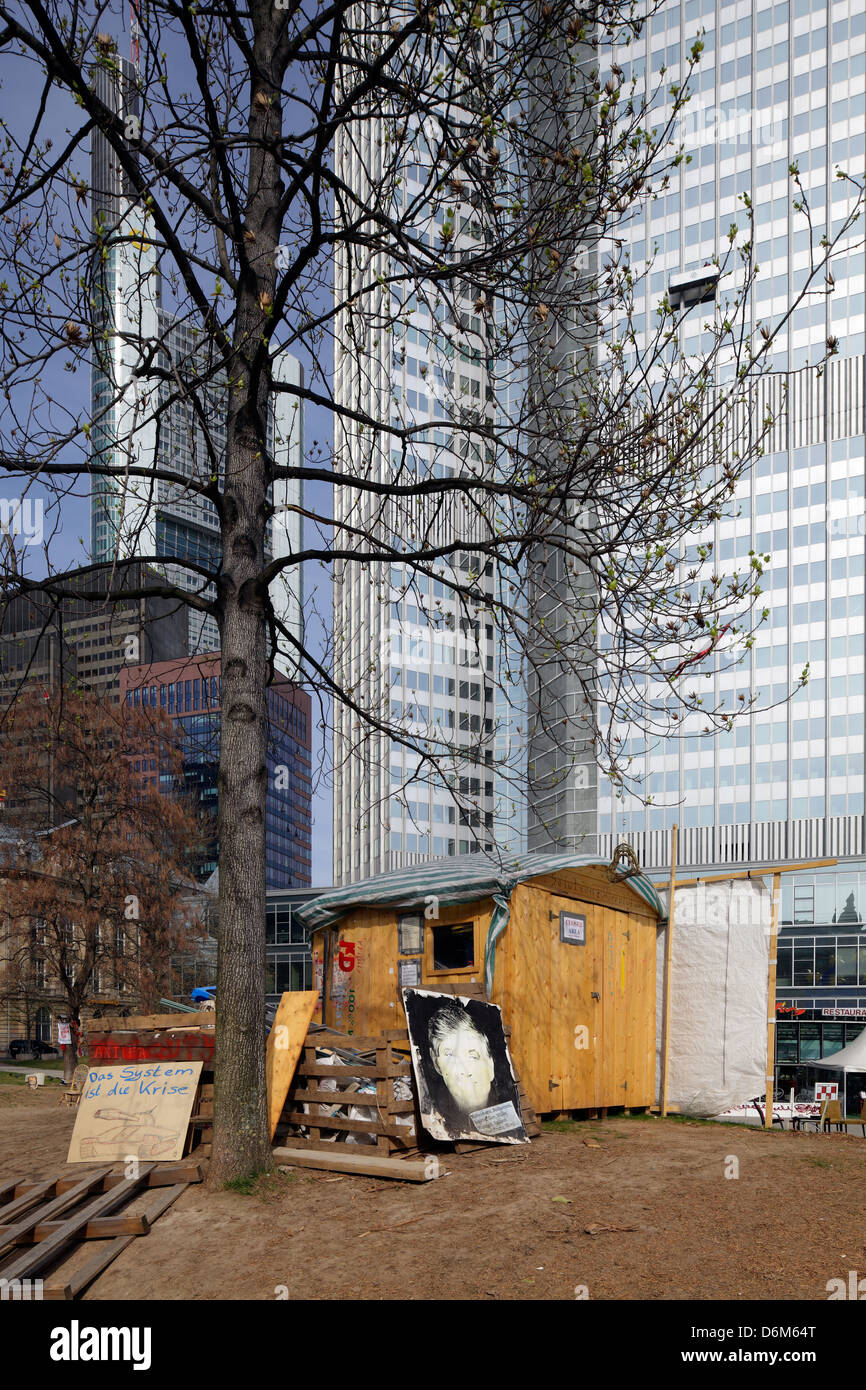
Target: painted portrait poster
{"points": [[466, 1086]]}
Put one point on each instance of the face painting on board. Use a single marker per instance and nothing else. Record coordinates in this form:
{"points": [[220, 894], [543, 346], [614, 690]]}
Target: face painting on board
{"points": [[466, 1085]]}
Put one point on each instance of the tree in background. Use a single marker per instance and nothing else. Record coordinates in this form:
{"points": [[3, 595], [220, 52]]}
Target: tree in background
{"points": [[97, 889]]}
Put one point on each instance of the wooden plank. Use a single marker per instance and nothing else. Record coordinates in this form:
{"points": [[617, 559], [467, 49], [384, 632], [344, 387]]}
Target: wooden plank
{"points": [[373, 1072], [101, 1228], [669, 940], [86, 1273], [285, 1041], [365, 1098], [164, 1175], [38, 1256], [340, 1122], [384, 1096], [29, 1194], [149, 1022], [7, 1192], [347, 1042], [372, 1165], [111, 1053], [771, 1001], [309, 1060], [771, 869], [589, 885], [60, 1288], [24, 1225]]}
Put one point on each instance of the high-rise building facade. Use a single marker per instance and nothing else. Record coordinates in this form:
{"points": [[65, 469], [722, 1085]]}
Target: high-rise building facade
{"points": [[178, 423], [777, 86], [402, 643], [86, 642], [189, 692]]}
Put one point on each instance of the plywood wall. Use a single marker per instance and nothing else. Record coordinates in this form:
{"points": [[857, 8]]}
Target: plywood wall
{"points": [[362, 994]]}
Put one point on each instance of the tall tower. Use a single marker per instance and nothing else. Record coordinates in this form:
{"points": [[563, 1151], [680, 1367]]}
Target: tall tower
{"points": [[139, 423], [402, 644]]}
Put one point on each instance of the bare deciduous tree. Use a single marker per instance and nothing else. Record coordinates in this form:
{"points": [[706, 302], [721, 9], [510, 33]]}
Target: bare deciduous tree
{"points": [[97, 895]]}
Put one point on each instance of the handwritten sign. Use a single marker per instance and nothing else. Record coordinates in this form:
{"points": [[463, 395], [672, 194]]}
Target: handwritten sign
{"points": [[137, 1110]]}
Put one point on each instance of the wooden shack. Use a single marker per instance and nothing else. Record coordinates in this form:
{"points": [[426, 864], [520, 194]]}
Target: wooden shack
{"points": [[566, 947]]}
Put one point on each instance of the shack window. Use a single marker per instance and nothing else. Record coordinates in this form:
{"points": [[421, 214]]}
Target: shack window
{"points": [[454, 946]]}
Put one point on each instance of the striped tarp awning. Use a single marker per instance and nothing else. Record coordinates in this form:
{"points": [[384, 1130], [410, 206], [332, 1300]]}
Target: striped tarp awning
{"points": [[458, 879]]}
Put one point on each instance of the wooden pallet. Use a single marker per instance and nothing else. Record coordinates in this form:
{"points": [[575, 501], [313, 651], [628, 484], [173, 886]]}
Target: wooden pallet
{"points": [[43, 1224], [392, 1059], [391, 1062]]}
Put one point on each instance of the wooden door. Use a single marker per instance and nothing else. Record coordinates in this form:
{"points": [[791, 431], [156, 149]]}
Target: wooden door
{"points": [[627, 1059], [575, 1008]]}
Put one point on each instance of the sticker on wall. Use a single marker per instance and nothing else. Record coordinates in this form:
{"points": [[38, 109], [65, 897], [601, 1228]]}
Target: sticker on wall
{"points": [[572, 928], [463, 1071]]}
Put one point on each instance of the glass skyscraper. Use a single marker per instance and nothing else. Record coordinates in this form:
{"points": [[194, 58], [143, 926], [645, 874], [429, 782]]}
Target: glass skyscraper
{"points": [[778, 85], [189, 692], [402, 643]]}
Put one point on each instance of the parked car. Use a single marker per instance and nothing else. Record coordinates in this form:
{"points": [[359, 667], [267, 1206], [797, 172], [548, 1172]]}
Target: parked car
{"points": [[19, 1047]]}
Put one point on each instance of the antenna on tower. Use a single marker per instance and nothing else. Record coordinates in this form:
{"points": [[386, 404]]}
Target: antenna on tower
{"points": [[134, 36]]}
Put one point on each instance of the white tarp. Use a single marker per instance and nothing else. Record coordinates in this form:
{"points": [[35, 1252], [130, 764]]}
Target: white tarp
{"points": [[719, 968]]}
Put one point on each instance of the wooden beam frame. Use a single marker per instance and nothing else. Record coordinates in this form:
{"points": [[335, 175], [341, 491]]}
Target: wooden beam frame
{"points": [[771, 1000], [669, 941], [773, 869]]}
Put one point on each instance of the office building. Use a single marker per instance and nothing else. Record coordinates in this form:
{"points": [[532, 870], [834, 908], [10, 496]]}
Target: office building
{"points": [[188, 691], [777, 85], [86, 642], [402, 644]]}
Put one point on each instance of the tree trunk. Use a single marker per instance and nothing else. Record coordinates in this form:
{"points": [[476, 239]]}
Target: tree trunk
{"points": [[241, 1139]]}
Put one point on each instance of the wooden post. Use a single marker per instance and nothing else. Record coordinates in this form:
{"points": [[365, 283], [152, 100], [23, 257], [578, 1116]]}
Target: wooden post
{"points": [[771, 1001], [669, 938]]}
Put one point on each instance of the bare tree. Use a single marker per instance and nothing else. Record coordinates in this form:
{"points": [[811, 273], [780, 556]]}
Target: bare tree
{"points": [[465, 167], [97, 894]]}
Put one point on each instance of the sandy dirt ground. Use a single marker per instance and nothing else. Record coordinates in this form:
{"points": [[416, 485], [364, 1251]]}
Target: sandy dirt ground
{"points": [[507, 1223]]}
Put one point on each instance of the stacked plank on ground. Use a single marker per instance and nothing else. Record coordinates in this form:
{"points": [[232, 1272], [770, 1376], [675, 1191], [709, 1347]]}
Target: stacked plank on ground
{"points": [[46, 1224]]}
